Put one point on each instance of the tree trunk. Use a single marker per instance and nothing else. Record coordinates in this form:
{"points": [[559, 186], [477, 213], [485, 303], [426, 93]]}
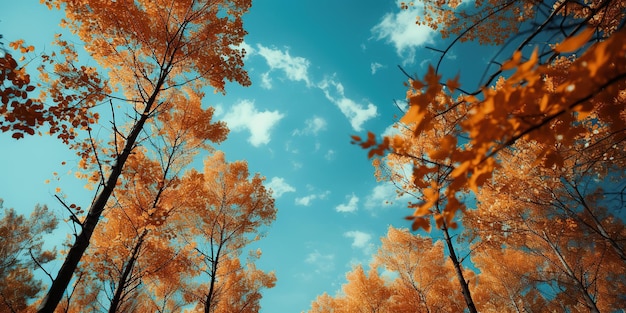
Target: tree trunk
{"points": [[64, 276], [591, 304], [208, 303], [459, 272], [121, 284]]}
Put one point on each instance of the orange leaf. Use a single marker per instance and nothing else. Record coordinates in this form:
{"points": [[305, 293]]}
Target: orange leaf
{"points": [[513, 62], [414, 115], [461, 169], [420, 222], [575, 42], [453, 84]]}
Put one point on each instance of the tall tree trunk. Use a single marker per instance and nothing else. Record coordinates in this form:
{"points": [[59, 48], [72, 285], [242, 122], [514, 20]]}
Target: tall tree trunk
{"points": [[121, 284], [208, 303], [591, 304], [64, 276], [459, 271]]}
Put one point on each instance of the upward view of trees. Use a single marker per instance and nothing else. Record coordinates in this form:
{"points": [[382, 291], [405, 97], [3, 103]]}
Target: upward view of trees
{"points": [[157, 236], [531, 163], [520, 181]]}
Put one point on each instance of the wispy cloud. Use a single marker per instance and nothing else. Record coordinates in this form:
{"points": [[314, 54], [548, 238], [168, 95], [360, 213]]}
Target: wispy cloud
{"points": [[356, 113], [308, 200], [330, 154], [384, 195], [312, 126], [245, 116], [361, 241], [294, 68], [322, 263], [375, 66], [351, 206], [399, 29], [247, 48], [266, 81], [279, 187]]}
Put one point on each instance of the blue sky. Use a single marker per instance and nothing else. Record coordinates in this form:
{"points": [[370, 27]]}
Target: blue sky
{"points": [[321, 71]]}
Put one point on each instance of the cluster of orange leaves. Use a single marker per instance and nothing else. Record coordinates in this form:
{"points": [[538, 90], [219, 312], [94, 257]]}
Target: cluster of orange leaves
{"points": [[549, 103], [23, 113]]}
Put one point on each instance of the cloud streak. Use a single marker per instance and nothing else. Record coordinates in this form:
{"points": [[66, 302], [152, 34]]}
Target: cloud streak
{"points": [[356, 113], [399, 29], [351, 206], [294, 68]]}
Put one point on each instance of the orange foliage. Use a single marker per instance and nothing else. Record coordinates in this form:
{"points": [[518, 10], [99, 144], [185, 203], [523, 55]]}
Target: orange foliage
{"points": [[420, 280], [542, 152], [157, 57], [425, 280], [555, 103], [21, 252]]}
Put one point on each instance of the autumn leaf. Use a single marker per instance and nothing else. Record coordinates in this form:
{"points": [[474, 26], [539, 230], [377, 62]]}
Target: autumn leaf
{"points": [[574, 43]]}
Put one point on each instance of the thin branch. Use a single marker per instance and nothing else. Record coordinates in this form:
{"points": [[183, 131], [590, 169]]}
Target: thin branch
{"points": [[32, 256], [73, 216]]}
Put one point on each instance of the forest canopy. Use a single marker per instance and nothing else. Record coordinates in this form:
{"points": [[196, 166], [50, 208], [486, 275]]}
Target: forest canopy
{"points": [[513, 176]]}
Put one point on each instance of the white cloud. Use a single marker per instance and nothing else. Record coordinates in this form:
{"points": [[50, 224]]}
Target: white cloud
{"points": [[384, 195], [375, 66], [356, 113], [330, 154], [359, 239], [296, 165], [351, 206], [295, 68], [308, 200], [249, 50], [244, 116], [322, 262], [266, 81], [279, 186], [313, 126], [400, 30], [362, 241]]}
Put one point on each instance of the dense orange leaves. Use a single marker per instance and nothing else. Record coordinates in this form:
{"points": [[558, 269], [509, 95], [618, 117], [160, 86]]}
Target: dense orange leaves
{"points": [[555, 103], [419, 280], [179, 237], [182, 39], [537, 156], [22, 113], [154, 59], [21, 251]]}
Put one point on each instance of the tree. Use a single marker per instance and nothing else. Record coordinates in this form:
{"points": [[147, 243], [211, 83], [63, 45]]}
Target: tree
{"points": [[508, 282], [363, 293], [21, 251], [239, 288], [149, 51], [539, 144], [537, 214], [548, 95], [425, 281], [430, 189], [224, 211], [420, 280]]}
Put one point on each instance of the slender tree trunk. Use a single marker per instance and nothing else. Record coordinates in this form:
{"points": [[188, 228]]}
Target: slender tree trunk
{"points": [[599, 227], [591, 304], [64, 276], [121, 284], [208, 303], [459, 271]]}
